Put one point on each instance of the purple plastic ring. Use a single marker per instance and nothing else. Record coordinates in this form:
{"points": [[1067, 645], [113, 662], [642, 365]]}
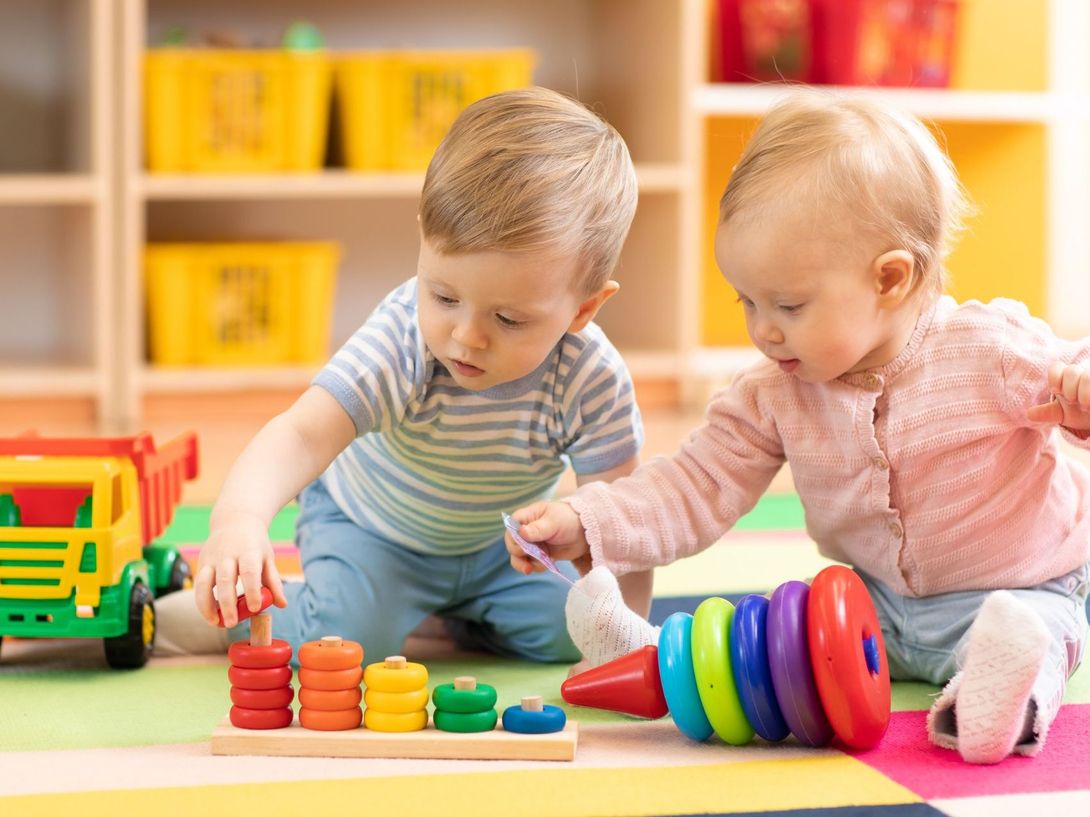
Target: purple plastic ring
{"points": [[789, 661]]}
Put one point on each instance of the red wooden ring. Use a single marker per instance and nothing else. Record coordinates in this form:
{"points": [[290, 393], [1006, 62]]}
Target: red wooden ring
{"points": [[313, 655], [261, 718], [244, 610], [269, 678], [326, 721], [246, 655], [262, 698], [329, 700], [330, 679], [840, 618]]}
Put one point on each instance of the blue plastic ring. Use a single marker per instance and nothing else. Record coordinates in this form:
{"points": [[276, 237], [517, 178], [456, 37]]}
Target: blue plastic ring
{"points": [[752, 674]]}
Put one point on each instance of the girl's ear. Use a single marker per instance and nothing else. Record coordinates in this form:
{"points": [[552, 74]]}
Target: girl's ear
{"points": [[590, 306], [894, 276]]}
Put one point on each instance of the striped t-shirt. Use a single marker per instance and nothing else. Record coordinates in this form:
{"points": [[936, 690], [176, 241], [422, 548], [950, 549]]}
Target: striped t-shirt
{"points": [[434, 464]]}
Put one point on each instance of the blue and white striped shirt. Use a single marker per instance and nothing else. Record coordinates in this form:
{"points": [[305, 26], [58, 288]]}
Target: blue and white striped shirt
{"points": [[434, 464]]}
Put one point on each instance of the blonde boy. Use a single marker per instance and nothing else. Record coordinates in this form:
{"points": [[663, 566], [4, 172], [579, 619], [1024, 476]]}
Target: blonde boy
{"points": [[468, 391]]}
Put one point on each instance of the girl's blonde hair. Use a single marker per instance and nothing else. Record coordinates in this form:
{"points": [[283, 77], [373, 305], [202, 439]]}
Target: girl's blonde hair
{"points": [[531, 170], [859, 160]]}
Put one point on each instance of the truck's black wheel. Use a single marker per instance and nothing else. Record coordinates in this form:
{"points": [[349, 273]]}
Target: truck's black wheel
{"points": [[181, 577], [131, 649]]}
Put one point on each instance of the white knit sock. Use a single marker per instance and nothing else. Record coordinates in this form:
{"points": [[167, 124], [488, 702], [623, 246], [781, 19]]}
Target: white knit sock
{"points": [[984, 709], [600, 624], [180, 629]]}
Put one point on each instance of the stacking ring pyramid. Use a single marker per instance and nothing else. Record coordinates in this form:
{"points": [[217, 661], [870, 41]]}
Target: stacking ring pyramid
{"points": [[809, 661]]}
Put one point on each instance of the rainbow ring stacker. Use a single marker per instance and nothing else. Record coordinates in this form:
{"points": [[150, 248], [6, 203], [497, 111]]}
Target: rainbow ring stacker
{"points": [[712, 670], [847, 653], [752, 676], [678, 679], [789, 662]]}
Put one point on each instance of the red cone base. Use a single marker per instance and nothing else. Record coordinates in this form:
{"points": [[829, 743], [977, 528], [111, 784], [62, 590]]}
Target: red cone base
{"points": [[629, 684]]}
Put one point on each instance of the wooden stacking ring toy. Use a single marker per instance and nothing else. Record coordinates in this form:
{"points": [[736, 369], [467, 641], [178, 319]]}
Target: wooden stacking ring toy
{"points": [[397, 703], [465, 721], [261, 718], [749, 659], [789, 662], [533, 717], [394, 722], [268, 678], [330, 700], [395, 674], [330, 653], [847, 653], [246, 655], [678, 679], [262, 698], [330, 679], [330, 720], [712, 670]]}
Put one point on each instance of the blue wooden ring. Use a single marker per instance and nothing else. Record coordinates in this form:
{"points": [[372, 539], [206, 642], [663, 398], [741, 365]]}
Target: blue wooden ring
{"points": [[789, 660], [678, 678], [752, 676], [549, 719]]}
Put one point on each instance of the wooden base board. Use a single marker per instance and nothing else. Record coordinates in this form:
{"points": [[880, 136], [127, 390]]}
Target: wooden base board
{"points": [[432, 743]]}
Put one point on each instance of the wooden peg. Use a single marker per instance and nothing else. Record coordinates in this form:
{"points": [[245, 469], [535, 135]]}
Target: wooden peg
{"points": [[533, 703], [331, 641], [261, 630], [465, 682], [396, 662]]}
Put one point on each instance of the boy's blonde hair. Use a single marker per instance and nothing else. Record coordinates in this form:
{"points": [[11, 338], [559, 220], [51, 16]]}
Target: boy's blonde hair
{"points": [[858, 160], [531, 170]]}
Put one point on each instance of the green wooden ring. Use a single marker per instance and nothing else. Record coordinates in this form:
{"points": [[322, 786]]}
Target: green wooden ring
{"points": [[464, 701], [712, 668], [465, 721]]}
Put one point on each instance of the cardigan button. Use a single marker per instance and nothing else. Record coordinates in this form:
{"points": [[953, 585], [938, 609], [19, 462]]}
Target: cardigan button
{"points": [[880, 463], [896, 530]]}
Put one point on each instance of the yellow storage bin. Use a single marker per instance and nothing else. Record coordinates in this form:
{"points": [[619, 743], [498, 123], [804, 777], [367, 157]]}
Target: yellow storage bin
{"points": [[240, 304], [236, 111], [396, 106]]}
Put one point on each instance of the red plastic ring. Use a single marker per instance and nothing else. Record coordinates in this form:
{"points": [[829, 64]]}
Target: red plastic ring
{"points": [[261, 718], [848, 655], [262, 698]]}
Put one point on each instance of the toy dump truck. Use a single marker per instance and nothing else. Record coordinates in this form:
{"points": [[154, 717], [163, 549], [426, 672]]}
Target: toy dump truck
{"points": [[78, 524]]}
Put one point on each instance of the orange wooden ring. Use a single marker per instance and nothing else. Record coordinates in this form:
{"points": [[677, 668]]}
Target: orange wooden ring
{"points": [[269, 678], [261, 718], [262, 698], [316, 655], [329, 700], [244, 654], [335, 721], [330, 678]]}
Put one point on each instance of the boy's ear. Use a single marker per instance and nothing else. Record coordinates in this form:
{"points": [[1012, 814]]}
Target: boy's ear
{"points": [[894, 276], [590, 306]]}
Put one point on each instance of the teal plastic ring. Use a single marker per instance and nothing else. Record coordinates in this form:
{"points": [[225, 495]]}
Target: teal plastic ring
{"points": [[679, 679]]}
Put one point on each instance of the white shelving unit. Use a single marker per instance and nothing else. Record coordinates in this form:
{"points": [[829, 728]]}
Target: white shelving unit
{"points": [[56, 226]]}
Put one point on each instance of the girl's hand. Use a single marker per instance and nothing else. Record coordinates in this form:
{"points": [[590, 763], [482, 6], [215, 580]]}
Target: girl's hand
{"points": [[1070, 404], [237, 548], [555, 526]]}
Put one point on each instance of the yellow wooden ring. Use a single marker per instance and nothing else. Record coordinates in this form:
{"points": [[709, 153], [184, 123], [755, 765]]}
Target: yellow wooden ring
{"points": [[397, 703], [388, 722], [408, 678]]}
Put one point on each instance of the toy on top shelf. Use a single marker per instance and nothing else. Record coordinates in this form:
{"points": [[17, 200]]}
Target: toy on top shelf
{"points": [[811, 661], [78, 522]]}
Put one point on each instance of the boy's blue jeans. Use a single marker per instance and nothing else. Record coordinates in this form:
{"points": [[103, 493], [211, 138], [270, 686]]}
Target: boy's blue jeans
{"points": [[362, 587]]}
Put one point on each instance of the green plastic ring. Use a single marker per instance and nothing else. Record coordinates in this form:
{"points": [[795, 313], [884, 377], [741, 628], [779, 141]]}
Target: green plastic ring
{"points": [[465, 721], [464, 701], [712, 667]]}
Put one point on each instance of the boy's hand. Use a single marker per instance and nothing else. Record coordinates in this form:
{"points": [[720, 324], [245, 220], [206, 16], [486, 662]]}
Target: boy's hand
{"points": [[555, 526], [1070, 406], [238, 548]]}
